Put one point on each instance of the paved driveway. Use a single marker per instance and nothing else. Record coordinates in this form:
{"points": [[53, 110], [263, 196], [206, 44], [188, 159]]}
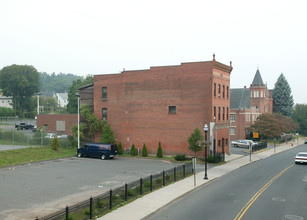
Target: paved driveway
{"points": [[37, 189]]}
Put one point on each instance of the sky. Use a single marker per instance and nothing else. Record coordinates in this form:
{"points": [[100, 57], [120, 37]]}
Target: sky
{"points": [[103, 37]]}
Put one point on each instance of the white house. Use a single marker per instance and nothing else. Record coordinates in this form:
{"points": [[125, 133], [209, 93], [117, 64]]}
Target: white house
{"points": [[62, 99], [5, 101]]}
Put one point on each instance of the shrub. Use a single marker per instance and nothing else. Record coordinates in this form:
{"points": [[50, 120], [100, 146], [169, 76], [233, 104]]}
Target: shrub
{"points": [[120, 148], [180, 157], [133, 151], [55, 145], [160, 152], [144, 151], [214, 159], [107, 135]]}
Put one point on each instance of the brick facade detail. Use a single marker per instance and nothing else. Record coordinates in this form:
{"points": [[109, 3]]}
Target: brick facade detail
{"points": [[166, 104], [48, 121]]}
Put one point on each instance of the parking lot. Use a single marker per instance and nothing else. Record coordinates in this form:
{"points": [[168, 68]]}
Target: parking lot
{"points": [[40, 188]]}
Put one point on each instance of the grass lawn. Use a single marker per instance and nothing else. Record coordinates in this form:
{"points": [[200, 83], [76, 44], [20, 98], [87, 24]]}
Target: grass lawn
{"points": [[32, 154]]}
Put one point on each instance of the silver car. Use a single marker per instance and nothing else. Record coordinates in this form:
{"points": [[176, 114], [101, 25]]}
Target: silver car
{"points": [[243, 143]]}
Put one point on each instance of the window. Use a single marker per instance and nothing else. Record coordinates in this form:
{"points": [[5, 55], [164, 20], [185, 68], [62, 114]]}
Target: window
{"points": [[232, 131], [219, 114], [214, 112], [223, 113], [223, 91], [248, 118], [232, 117], [104, 93], [226, 142], [227, 92], [104, 114], [219, 143], [219, 90], [227, 113], [172, 110], [214, 91]]}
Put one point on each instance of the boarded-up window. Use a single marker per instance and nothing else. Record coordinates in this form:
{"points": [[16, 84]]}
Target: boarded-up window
{"points": [[60, 125]]}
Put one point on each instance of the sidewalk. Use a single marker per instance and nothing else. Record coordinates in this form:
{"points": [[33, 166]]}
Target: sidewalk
{"points": [[156, 200]]}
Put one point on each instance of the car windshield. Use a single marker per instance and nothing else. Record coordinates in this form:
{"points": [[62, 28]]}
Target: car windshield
{"points": [[302, 155]]}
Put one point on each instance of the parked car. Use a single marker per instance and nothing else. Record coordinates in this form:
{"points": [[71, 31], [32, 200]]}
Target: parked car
{"points": [[50, 135], [24, 126], [301, 157], [63, 136], [305, 141], [243, 143], [99, 150]]}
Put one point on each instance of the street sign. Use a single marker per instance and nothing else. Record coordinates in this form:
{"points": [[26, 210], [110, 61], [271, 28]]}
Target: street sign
{"points": [[255, 135]]}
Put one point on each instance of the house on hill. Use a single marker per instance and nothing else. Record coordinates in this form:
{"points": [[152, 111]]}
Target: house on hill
{"points": [[246, 104]]}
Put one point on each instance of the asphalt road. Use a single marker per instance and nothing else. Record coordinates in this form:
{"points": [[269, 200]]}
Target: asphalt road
{"points": [[40, 188], [273, 188]]}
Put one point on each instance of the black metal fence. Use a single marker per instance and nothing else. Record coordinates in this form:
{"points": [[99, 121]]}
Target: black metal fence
{"points": [[259, 146], [117, 197]]}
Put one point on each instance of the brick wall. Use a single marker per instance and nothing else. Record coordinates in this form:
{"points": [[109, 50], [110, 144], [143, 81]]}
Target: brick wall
{"points": [[49, 121], [138, 104]]}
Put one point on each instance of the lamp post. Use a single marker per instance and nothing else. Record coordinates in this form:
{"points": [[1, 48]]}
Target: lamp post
{"points": [[78, 97], [206, 130], [38, 94]]}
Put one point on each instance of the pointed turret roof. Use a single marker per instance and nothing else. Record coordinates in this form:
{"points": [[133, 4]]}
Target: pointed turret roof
{"points": [[257, 79]]}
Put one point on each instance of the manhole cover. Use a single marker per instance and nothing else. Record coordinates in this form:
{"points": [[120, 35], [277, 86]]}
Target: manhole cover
{"points": [[278, 199], [293, 217]]}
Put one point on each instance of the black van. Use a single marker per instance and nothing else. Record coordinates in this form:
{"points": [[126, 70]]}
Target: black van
{"points": [[102, 151]]}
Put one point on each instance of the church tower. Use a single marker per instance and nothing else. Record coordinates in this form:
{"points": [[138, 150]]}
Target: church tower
{"points": [[258, 94]]}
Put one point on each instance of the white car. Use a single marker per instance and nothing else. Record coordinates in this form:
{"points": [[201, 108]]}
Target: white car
{"points": [[50, 135], [301, 157], [243, 143]]}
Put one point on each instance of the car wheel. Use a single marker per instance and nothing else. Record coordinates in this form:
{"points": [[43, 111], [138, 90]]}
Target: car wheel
{"points": [[79, 155], [235, 145], [103, 156]]}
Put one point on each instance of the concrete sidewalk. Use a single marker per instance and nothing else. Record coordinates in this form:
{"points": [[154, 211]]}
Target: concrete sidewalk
{"points": [[156, 200]]}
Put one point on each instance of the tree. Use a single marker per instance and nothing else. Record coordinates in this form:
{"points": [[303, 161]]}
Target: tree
{"points": [[273, 125], [107, 136], [144, 151], [93, 124], [159, 151], [282, 98], [72, 106], [55, 144], [21, 82], [194, 140], [300, 117], [133, 151], [120, 148]]}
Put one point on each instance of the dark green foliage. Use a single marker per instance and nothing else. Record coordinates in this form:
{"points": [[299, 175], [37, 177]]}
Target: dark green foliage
{"points": [[56, 82], [72, 106], [300, 117], [194, 140], [282, 98], [107, 135], [214, 159], [180, 157], [144, 151], [120, 148], [93, 124], [133, 151], [159, 151], [55, 144], [6, 112], [21, 82]]}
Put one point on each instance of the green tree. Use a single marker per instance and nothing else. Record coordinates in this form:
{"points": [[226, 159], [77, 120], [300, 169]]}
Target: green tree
{"points": [[159, 151], [282, 98], [107, 135], [273, 125], [21, 82], [194, 141], [133, 151], [93, 124], [49, 103], [120, 148], [72, 106], [55, 144], [300, 117], [6, 112], [144, 151]]}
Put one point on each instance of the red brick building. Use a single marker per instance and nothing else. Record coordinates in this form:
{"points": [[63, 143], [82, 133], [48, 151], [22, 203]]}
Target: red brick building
{"points": [[246, 105], [166, 104]]}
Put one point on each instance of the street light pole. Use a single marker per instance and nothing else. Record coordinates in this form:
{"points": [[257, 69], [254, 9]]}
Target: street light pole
{"points": [[206, 130], [38, 94], [78, 97]]}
